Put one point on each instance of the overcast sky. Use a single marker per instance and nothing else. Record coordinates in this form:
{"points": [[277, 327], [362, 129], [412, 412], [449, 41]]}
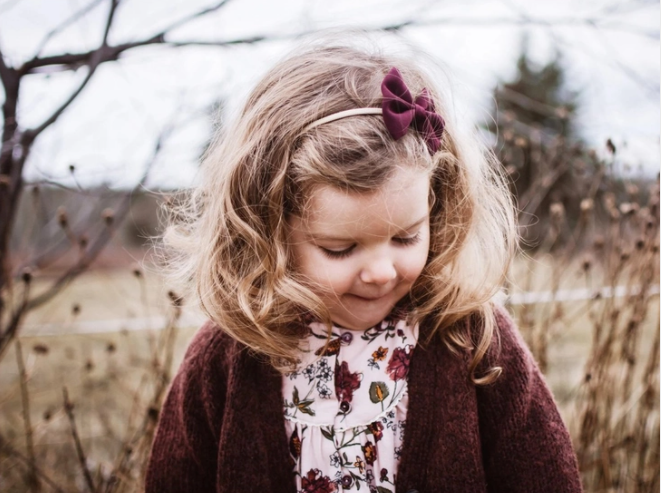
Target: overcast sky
{"points": [[610, 50]]}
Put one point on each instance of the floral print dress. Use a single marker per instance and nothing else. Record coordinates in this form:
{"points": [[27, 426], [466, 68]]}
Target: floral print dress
{"points": [[345, 407]]}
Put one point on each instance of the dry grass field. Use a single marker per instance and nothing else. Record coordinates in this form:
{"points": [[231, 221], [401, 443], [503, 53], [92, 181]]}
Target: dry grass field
{"points": [[92, 341]]}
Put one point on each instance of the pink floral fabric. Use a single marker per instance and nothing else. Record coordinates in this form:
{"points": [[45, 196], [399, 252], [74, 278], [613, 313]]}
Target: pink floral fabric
{"points": [[345, 407]]}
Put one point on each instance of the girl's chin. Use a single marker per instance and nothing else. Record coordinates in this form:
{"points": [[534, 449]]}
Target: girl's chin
{"points": [[357, 313], [360, 320]]}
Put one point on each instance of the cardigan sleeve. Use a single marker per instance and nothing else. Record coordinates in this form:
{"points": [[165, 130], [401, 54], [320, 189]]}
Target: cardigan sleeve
{"points": [[185, 449], [525, 445]]}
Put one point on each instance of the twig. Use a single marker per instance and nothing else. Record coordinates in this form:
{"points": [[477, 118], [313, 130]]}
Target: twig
{"points": [[195, 15], [70, 61], [136, 447], [67, 22], [111, 17], [85, 260], [111, 53], [4, 69], [11, 451], [7, 334], [68, 409], [30, 135], [32, 480]]}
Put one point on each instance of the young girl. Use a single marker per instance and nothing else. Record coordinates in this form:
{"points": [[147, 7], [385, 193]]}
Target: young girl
{"points": [[346, 243]]}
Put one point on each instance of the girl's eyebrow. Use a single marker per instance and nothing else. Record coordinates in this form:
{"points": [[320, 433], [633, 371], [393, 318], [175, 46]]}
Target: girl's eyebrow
{"points": [[325, 237]]}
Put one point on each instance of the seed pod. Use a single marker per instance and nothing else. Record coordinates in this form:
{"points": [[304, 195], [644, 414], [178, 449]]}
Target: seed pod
{"points": [[626, 208], [520, 142], [68, 405], [611, 147], [62, 218], [108, 216], [557, 211], [587, 205], [599, 242], [175, 299], [40, 348]]}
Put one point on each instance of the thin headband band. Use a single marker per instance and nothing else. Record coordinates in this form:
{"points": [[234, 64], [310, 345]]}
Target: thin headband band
{"points": [[343, 114]]}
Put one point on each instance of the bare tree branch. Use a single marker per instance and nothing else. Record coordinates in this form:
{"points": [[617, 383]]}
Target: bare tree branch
{"points": [[69, 61], [4, 69], [78, 189], [29, 135], [528, 103], [99, 243], [111, 15], [32, 480], [193, 16], [598, 23], [12, 452], [85, 260], [98, 56], [10, 80], [68, 409], [73, 61], [67, 22]]}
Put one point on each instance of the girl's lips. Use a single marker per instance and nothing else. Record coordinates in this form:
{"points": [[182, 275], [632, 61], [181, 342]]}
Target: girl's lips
{"points": [[365, 298]]}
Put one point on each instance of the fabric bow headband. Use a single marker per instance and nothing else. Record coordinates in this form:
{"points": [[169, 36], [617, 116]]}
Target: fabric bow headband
{"points": [[400, 111]]}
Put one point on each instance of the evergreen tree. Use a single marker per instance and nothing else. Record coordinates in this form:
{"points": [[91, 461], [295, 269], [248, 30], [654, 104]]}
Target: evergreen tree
{"points": [[539, 144], [537, 99]]}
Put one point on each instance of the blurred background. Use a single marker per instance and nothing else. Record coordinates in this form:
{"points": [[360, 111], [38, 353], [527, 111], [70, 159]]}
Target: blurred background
{"points": [[108, 106]]}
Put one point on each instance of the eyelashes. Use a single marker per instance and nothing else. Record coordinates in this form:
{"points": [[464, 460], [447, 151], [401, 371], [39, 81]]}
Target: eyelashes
{"points": [[410, 240], [339, 254]]}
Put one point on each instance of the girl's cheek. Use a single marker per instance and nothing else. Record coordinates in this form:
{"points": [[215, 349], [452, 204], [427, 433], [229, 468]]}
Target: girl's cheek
{"points": [[419, 259]]}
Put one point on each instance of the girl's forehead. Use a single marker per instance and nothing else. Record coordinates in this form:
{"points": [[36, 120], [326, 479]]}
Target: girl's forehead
{"points": [[399, 202]]}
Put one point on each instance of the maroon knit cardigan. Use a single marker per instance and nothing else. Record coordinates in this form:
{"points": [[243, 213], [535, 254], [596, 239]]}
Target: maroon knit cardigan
{"points": [[222, 426]]}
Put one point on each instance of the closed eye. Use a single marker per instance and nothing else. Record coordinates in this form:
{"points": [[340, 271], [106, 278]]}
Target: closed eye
{"points": [[338, 253], [408, 240], [403, 241]]}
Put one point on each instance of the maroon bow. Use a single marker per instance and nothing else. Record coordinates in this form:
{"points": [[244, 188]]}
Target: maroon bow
{"points": [[400, 111]]}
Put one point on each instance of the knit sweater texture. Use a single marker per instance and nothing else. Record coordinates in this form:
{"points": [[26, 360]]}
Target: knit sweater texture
{"points": [[222, 428]]}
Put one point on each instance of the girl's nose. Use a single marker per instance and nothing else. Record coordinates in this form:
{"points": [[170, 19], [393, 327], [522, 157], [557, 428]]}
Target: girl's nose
{"points": [[380, 271]]}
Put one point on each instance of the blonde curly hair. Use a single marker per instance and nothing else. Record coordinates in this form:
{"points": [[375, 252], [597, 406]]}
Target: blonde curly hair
{"points": [[228, 241]]}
